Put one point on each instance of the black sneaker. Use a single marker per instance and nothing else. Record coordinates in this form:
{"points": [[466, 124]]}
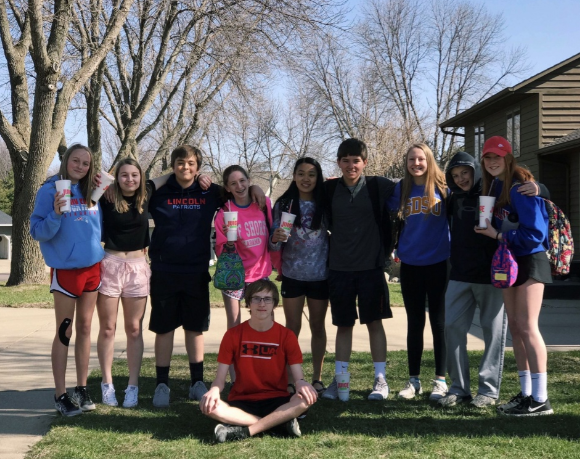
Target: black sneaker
{"points": [[82, 398], [293, 428], [514, 401], [65, 406], [230, 433], [529, 407]]}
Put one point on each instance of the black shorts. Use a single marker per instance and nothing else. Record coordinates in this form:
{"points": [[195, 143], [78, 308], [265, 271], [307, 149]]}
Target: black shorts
{"points": [[179, 299], [371, 289], [260, 408], [292, 288], [536, 266]]}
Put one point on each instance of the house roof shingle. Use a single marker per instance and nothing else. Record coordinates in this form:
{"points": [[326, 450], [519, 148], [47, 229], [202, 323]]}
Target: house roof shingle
{"points": [[5, 219]]}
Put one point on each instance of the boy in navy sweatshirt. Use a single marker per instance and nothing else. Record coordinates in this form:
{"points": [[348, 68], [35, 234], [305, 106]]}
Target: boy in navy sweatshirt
{"points": [[180, 252]]}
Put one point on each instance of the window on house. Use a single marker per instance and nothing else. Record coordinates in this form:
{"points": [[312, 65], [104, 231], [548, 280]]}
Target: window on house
{"points": [[479, 140], [513, 131]]}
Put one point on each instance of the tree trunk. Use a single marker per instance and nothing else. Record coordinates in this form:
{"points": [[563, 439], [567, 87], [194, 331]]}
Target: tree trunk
{"points": [[27, 266]]}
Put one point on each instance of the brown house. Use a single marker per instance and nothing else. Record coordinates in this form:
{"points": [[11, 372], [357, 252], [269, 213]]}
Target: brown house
{"points": [[541, 118]]}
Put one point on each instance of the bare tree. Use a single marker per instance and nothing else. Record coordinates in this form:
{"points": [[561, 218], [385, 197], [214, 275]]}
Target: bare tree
{"points": [[37, 32], [348, 103], [178, 57], [434, 58]]}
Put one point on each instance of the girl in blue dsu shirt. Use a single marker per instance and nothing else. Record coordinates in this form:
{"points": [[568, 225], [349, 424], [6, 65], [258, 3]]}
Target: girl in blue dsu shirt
{"points": [[71, 245], [527, 239], [423, 249], [304, 258]]}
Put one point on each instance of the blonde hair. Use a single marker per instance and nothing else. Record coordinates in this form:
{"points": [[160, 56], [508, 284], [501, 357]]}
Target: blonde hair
{"points": [[512, 171], [435, 180], [86, 183], [121, 205]]}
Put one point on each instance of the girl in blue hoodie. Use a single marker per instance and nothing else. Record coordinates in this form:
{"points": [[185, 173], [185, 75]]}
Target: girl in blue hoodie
{"points": [[521, 221], [70, 243]]}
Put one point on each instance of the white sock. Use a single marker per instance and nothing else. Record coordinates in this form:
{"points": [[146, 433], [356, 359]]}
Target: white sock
{"points": [[380, 369], [525, 382], [340, 367], [540, 387]]}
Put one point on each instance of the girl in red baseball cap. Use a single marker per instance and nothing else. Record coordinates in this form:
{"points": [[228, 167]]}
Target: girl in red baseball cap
{"points": [[522, 222]]}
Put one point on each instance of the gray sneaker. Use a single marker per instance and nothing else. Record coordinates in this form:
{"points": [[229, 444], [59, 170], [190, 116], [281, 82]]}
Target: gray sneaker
{"points": [[331, 392], [225, 433], [293, 428], [481, 401], [453, 399], [410, 390], [380, 389], [197, 390], [161, 396]]}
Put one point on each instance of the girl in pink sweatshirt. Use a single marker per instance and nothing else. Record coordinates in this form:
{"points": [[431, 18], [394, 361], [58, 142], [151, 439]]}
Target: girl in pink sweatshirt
{"points": [[253, 234]]}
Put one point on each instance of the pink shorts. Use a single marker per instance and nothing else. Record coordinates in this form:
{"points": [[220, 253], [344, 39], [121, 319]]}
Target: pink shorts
{"points": [[124, 277]]}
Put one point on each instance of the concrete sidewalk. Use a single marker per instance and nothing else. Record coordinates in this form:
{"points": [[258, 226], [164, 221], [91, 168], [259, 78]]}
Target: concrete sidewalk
{"points": [[26, 390]]}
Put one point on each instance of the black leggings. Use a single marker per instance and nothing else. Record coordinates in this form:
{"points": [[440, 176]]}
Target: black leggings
{"points": [[418, 282]]}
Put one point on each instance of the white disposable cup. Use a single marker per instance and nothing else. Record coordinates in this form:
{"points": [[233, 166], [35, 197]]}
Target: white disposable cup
{"points": [[106, 180], [64, 185], [343, 383], [287, 222], [231, 220], [486, 204]]}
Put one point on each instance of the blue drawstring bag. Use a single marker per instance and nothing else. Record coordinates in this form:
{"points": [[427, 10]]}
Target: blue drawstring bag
{"points": [[229, 270], [504, 267]]}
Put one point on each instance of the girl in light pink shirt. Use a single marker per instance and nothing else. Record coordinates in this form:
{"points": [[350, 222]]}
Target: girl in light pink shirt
{"points": [[253, 234]]}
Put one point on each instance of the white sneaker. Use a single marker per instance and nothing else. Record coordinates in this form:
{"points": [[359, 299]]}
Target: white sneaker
{"points": [[161, 396], [439, 390], [131, 397], [380, 389], [108, 391], [411, 389]]}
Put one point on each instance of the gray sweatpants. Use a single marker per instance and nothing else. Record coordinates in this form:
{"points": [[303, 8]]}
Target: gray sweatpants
{"points": [[461, 299]]}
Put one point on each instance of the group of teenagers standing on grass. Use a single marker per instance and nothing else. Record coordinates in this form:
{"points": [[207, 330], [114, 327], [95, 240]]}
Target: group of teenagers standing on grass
{"points": [[336, 251]]}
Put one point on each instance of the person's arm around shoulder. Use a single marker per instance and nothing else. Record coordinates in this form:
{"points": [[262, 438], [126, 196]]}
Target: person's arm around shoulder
{"points": [[158, 182], [303, 388], [211, 398], [258, 195]]}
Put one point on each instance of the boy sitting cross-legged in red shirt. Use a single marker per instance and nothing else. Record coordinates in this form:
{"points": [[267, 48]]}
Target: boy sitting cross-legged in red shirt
{"points": [[259, 349]]}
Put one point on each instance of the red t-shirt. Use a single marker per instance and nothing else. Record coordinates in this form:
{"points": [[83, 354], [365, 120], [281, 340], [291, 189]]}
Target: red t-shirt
{"points": [[260, 360]]}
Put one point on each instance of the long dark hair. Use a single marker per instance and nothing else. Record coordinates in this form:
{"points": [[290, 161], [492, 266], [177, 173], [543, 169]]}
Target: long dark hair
{"points": [[292, 194]]}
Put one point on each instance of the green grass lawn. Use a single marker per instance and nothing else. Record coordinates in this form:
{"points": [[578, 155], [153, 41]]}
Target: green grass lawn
{"points": [[25, 296], [38, 296], [332, 429]]}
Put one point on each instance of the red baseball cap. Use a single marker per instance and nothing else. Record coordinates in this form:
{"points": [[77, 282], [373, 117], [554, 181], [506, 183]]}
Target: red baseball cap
{"points": [[497, 145]]}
